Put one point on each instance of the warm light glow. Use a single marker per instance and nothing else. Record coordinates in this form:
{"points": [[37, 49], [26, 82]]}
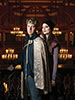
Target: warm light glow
{"points": [[72, 4], [9, 50], [60, 66], [15, 56], [18, 67], [56, 31], [63, 50], [69, 56], [0, 3], [21, 35], [3, 56], [16, 31], [5, 86], [6, 50], [66, 4], [9, 54], [64, 54]]}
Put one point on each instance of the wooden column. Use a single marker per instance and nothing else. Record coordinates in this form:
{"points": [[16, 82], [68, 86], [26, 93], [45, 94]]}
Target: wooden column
{"points": [[68, 40], [3, 41]]}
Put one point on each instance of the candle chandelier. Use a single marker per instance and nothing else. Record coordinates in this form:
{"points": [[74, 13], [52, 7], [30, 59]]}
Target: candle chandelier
{"points": [[56, 31], [16, 31], [64, 54], [9, 54]]}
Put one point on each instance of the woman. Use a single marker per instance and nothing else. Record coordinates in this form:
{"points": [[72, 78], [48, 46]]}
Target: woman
{"points": [[52, 48]]}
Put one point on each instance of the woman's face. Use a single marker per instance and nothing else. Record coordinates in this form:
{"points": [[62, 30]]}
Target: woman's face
{"points": [[45, 29]]}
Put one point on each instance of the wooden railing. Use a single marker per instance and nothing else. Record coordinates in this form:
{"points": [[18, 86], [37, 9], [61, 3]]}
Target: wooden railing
{"points": [[12, 79], [65, 82]]}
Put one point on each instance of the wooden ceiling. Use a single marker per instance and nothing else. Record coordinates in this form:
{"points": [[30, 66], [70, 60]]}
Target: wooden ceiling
{"points": [[15, 12]]}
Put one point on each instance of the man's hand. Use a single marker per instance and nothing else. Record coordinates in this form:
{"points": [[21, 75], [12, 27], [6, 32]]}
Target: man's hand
{"points": [[10, 68]]}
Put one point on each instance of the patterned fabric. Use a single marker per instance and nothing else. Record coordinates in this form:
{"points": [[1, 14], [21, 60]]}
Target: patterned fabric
{"points": [[38, 64]]}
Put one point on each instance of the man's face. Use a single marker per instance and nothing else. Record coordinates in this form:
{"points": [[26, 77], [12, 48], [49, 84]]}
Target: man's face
{"points": [[31, 28]]}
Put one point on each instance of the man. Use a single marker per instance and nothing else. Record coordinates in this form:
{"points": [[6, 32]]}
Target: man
{"points": [[34, 64]]}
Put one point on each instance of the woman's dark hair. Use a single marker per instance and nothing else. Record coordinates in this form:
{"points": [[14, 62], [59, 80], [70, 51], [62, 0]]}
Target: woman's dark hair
{"points": [[51, 38], [49, 23]]}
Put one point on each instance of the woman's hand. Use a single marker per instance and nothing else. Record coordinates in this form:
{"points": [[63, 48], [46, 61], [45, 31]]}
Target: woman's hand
{"points": [[53, 82], [10, 68]]}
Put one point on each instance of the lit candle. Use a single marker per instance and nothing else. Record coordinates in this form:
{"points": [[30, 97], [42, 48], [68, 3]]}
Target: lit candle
{"points": [[67, 51], [63, 56], [62, 50], [60, 56], [5, 86], [13, 56], [12, 51], [10, 56], [70, 56], [6, 50], [3, 56], [16, 56], [60, 66]]}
